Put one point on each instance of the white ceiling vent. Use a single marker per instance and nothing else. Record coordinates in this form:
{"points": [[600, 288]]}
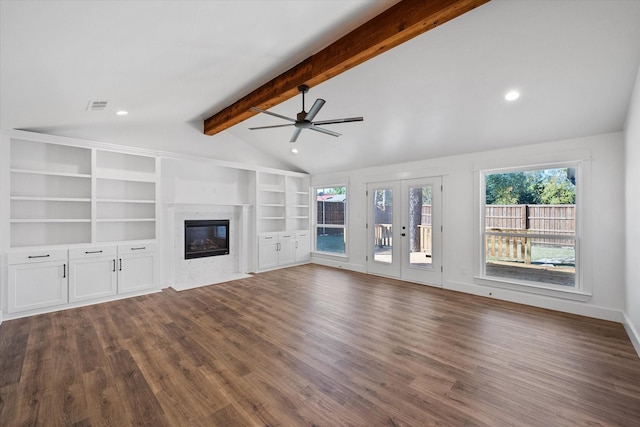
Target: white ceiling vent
{"points": [[96, 105]]}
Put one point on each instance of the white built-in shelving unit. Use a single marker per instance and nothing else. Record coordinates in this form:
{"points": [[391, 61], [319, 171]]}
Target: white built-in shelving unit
{"points": [[63, 194], [282, 219], [81, 221]]}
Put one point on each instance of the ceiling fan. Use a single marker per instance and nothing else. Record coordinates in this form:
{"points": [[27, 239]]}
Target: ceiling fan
{"points": [[304, 120]]}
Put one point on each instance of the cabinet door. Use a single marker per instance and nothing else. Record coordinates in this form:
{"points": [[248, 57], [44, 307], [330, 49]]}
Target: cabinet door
{"points": [[267, 252], [37, 285], [92, 278], [286, 249], [136, 272], [303, 250]]}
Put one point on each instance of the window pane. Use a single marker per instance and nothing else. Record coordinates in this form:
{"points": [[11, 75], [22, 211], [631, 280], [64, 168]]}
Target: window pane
{"points": [[331, 205], [382, 221], [330, 240], [540, 203], [331, 209], [420, 227]]}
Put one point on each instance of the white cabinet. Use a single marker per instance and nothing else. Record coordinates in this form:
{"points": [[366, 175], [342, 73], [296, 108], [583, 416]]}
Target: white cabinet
{"points": [[136, 267], [303, 246], [286, 248], [92, 273], [280, 249], [267, 251], [37, 279]]}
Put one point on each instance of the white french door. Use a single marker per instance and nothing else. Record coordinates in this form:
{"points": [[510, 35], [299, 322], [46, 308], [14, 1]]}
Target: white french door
{"points": [[404, 230]]}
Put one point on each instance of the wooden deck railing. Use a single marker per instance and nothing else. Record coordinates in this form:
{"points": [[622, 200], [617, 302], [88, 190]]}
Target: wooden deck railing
{"points": [[383, 236], [508, 247]]}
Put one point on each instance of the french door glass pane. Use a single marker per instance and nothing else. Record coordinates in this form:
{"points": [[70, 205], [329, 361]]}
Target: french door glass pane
{"points": [[420, 237], [382, 221]]}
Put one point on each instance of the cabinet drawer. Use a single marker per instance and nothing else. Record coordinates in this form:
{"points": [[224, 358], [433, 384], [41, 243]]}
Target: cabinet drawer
{"points": [[32, 256], [268, 238], [136, 248], [92, 252]]}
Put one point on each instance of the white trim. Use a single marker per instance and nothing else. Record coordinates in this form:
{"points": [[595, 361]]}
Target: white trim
{"points": [[584, 285], [335, 263], [536, 300], [634, 335]]}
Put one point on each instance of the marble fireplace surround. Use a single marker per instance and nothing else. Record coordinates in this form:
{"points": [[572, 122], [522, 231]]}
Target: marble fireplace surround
{"points": [[192, 273]]}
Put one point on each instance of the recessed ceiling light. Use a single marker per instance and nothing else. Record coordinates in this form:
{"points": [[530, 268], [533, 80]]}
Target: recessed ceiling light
{"points": [[294, 150], [121, 113], [512, 95]]}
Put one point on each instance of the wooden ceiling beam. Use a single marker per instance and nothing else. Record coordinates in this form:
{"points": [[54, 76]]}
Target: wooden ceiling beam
{"points": [[403, 21]]}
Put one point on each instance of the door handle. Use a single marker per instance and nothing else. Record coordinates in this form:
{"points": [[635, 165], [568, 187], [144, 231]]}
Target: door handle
{"points": [[120, 260], [114, 265], [64, 271], [403, 234]]}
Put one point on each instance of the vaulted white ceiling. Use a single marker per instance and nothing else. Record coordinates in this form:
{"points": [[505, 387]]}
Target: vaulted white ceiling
{"points": [[173, 63]]}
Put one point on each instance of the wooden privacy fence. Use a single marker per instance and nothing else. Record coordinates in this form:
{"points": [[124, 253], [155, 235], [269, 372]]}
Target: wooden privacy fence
{"points": [[505, 225]]}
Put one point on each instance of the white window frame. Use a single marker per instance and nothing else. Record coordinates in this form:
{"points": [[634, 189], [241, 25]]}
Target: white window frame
{"points": [[582, 290], [315, 224]]}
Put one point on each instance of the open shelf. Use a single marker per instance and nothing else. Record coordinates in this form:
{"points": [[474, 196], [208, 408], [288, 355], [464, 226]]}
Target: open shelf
{"points": [[61, 194]]}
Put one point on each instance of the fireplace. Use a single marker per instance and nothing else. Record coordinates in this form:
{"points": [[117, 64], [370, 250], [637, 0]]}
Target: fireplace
{"points": [[205, 238]]}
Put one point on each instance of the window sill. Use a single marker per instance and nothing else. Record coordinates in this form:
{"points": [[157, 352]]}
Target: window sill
{"points": [[545, 290]]}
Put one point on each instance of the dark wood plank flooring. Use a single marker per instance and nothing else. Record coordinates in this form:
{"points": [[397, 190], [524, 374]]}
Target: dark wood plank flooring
{"points": [[312, 345]]}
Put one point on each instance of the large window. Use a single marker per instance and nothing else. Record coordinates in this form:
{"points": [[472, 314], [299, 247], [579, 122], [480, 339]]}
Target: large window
{"points": [[330, 224], [529, 233]]}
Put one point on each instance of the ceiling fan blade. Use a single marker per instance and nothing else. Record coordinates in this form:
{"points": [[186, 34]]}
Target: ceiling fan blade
{"points": [[314, 109], [272, 114], [296, 134], [347, 120], [272, 126], [327, 131]]}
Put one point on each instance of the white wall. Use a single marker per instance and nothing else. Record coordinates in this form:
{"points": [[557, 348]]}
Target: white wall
{"points": [[603, 236], [632, 196]]}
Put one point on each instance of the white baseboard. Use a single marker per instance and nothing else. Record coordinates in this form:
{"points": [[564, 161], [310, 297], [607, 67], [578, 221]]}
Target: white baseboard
{"points": [[338, 264], [228, 278], [634, 336], [550, 303]]}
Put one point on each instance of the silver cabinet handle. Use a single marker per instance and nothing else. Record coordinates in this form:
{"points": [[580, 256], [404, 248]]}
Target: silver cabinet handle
{"points": [[39, 256], [120, 268], [114, 265], [64, 271], [138, 249], [92, 252]]}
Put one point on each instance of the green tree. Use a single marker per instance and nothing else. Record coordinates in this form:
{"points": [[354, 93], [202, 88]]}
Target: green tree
{"points": [[550, 186]]}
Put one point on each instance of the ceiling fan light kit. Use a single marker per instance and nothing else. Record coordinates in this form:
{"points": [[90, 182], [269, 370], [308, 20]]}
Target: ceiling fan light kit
{"points": [[304, 119]]}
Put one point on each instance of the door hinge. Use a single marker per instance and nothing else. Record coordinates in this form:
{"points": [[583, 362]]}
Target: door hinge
{"points": [[441, 188], [441, 229], [366, 258], [367, 193], [366, 225], [441, 269]]}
